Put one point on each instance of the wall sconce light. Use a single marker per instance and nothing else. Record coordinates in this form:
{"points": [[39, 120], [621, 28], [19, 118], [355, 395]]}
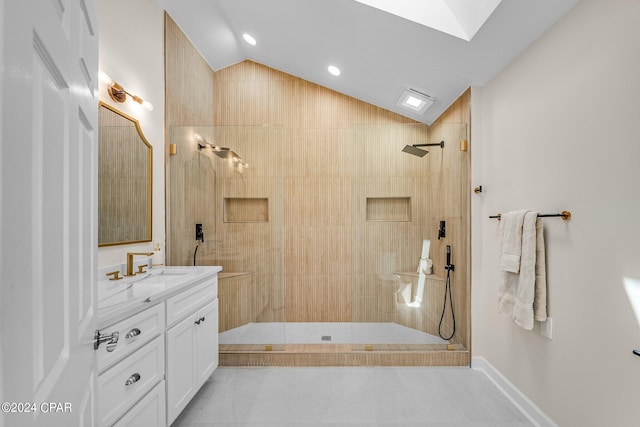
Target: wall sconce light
{"points": [[119, 94], [222, 152], [203, 143]]}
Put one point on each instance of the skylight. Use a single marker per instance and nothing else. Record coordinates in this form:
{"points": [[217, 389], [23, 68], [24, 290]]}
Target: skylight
{"points": [[459, 18]]}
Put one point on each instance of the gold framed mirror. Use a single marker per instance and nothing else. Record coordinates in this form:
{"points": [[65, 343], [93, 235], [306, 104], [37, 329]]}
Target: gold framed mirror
{"points": [[124, 179]]}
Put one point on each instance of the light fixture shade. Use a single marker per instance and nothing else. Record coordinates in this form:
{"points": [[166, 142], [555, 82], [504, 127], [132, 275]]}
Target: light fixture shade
{"points": [[118, 94], [415, 101]]}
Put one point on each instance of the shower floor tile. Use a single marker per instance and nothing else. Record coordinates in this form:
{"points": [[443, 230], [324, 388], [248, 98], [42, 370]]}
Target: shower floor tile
{"points": [[326, 333]]}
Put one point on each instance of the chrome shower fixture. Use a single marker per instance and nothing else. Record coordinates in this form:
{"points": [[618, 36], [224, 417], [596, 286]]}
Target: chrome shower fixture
{"points": [[413, 149]]}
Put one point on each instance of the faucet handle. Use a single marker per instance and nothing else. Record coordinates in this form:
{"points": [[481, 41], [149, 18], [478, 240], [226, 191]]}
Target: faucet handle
{"points": [[115, 274], [141, 268]]}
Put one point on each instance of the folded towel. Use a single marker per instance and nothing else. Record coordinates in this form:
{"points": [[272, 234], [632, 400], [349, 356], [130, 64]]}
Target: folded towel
{"points": [[540, 297], [511, 240], [516, 291]]}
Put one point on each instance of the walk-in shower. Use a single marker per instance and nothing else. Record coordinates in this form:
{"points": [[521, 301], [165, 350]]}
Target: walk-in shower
{"points": [[320, 240]]}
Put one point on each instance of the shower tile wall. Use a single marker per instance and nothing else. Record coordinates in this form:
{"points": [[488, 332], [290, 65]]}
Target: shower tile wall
{"points": [[324, 160], [322, 155], [188, 101]]}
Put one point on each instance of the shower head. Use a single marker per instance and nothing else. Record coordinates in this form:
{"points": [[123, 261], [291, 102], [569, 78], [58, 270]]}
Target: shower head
{"points": [[413, 149]]}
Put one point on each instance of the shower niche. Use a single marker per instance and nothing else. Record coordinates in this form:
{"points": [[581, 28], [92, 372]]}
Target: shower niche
{"points": [[246, 209], [319, 237], [389, 209]]}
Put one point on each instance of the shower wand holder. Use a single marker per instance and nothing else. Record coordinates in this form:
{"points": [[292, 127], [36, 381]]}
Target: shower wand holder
{"points": [[448, 266]]}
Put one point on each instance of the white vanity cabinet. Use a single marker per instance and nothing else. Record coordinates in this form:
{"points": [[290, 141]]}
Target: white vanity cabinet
{"points": [[192, 347], [162, 346]]}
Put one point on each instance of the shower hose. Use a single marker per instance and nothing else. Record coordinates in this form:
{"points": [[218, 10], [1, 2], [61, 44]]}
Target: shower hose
{"points": [[447, 291]]}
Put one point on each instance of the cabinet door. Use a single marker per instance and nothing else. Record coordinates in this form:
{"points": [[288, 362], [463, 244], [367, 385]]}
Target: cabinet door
{"points": [[207, 342], [181, 369]]}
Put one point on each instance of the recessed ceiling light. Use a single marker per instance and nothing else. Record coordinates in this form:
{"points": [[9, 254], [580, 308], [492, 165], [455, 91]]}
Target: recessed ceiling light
{"points": [[415, 101], [334, 70], [249, 39]]}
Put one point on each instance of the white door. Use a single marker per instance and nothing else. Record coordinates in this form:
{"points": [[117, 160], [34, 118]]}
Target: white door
{"points": [[48, 249]]}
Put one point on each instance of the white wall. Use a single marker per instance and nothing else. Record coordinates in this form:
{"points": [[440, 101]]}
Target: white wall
{"points": [[556, 130], [132, 53]]}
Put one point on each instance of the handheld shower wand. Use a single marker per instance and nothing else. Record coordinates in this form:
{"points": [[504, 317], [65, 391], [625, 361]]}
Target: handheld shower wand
{"points": [[447, 291]]}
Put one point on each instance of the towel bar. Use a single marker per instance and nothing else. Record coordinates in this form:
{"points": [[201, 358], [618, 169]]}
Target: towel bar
{"points": [[565, 215]]}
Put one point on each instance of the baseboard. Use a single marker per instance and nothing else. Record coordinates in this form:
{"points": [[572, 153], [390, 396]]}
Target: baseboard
{"points": [[522, 402]]}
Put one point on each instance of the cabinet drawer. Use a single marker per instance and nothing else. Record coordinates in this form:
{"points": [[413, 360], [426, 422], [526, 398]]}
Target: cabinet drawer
{"points": [[148, 412], [134, 332], [185, 303], [122, 385]]}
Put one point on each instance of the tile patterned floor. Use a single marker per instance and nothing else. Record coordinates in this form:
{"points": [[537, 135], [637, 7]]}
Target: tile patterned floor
{"points": [[307, 397]]}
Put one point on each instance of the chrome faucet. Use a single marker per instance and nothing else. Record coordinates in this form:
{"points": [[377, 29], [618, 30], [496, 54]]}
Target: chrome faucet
{"points": [[130, 256]]}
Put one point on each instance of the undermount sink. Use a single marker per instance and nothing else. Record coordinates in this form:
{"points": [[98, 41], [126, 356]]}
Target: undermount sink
{"points": [[163, 277], [140, 287]]}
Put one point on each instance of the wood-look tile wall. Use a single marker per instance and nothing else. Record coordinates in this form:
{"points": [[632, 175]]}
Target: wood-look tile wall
{"points": [[190, 176]]}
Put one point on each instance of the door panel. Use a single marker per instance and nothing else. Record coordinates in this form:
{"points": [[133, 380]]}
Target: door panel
{"points": [[48, 231], [207, 342], [181, 367]]}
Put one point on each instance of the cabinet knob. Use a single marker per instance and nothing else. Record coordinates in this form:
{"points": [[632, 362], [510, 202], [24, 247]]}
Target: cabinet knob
{"points": [[133, 333], [133, 379]]}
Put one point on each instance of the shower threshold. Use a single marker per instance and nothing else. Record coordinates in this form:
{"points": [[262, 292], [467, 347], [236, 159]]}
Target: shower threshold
{"points": [[336, 344]]}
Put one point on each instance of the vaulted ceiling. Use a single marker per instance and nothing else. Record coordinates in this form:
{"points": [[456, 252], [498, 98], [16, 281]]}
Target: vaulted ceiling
{"points": [[379, 53]]}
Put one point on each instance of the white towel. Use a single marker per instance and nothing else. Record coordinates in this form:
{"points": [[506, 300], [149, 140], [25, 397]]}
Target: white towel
{"points": [[540, 298], [517, 291], [511, 240]]}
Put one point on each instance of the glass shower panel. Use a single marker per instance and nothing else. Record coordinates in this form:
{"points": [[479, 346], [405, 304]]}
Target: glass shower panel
{"points": [[226, 178], [399, 201]]}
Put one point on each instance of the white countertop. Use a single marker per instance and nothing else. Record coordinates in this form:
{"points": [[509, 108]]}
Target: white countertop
{"points": [[122, 298]]}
